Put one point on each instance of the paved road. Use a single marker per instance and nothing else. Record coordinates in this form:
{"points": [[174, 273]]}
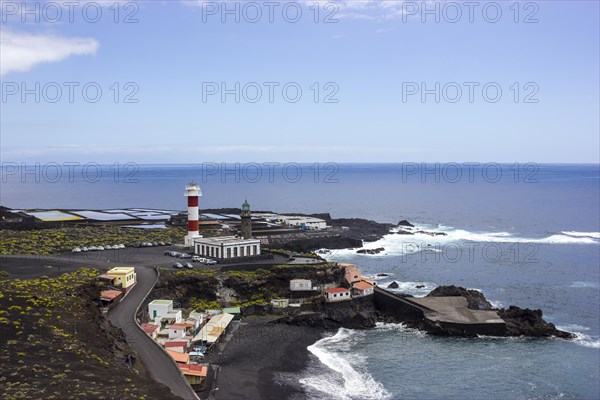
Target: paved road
{"points": [[157, 362]]}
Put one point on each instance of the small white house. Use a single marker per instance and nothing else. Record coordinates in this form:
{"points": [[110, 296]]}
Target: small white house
{"points": [[170, 318], [159, 308], [177, 331], [280, 303], [300, 284], [337, 294], [362, 288], [198, 316]]}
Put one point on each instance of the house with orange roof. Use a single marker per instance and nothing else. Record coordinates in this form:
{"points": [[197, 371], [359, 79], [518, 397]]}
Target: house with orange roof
{"points": [[351, 272], [369, 280], [361, 289], [337, 294], [180, 358], [195, 375]]}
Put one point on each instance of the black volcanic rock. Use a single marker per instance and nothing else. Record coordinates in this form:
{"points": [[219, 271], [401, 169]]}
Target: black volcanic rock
{"points": [[519, 321], [526, 322], [393, 285], [432, 233], [475, 299], [370, 251], [405, 223], [358, 313]]}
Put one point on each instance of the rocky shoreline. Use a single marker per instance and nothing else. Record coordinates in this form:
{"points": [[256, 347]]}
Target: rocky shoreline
{"points": [[363, 313]]}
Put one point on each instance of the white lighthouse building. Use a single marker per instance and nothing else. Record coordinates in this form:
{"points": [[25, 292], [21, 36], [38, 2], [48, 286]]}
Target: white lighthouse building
{"points": [[192, 192]]}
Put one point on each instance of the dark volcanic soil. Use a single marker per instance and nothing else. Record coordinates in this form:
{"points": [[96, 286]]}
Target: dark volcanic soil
{"points": [[55, 344]]}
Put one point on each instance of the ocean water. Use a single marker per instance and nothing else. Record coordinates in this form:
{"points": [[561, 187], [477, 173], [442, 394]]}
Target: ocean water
{"points": [[524, 234]]}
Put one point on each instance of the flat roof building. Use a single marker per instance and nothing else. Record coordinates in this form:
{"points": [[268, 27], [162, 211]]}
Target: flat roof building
{"points": [[337, 294], [300, 285], [211, 332], [124, 277], [225, 247]]}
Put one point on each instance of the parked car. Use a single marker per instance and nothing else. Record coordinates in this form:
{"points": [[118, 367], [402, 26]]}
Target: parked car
{"points": [[121, 246], [211, 262], [100, 248], [167, 253], [189, 265], [184, 255], [177, 265], [84, 249], [197, 259], [76, 250]]}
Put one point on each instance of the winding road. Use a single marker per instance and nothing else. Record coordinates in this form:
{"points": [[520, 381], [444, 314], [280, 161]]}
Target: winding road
{"points": [[158, 363]]}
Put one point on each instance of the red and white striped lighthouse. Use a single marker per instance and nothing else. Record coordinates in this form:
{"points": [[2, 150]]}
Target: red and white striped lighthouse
{"points": [[192, 192]]}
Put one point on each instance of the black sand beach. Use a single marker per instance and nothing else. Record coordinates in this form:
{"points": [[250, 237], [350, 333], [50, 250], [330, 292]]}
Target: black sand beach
{"points": [[256, 353]]}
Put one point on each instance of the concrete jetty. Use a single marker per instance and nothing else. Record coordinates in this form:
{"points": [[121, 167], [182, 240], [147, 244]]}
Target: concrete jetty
{"points": [[450, 312]]}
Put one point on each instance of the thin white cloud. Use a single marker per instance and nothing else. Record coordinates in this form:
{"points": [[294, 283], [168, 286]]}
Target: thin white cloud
{"points": [[20, 52]]}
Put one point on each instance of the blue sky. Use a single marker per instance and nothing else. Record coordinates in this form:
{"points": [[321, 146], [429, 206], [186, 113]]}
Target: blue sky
{"points": [[368, 61]]}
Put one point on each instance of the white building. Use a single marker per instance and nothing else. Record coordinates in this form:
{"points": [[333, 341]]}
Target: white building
{"points": [[226, 247], [280, 303], [362, 288], [172, 317], [337, 294], [300, 284], [159, 308], [306, 223], [177, 331], [214, 328]]}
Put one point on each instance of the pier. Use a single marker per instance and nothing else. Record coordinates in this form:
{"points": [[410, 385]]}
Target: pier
{"points": [[450, 312]]}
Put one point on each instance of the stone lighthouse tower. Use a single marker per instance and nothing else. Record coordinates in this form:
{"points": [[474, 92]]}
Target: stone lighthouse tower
{"points": [[246, 226]]}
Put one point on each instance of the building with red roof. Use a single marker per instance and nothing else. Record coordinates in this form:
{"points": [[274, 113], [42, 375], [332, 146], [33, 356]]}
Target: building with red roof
{"points": [[337, 294]]}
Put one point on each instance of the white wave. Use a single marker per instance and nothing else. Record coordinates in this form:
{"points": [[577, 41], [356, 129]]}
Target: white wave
{"points": [[380, 278], [397, 245], [400, 327], [579, 234], [574, 328], [410, 287], [581, 338], [581, 284], [496, 304], [349, 379], [587, 341]]}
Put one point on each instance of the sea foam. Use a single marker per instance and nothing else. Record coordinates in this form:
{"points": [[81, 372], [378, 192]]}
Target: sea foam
{"points": [[397, 244], [348, 378]]}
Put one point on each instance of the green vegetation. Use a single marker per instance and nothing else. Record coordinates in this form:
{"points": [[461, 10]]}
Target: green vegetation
{"points": [[201, 305], [202, 288], [51, 241], [54, 343]]}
